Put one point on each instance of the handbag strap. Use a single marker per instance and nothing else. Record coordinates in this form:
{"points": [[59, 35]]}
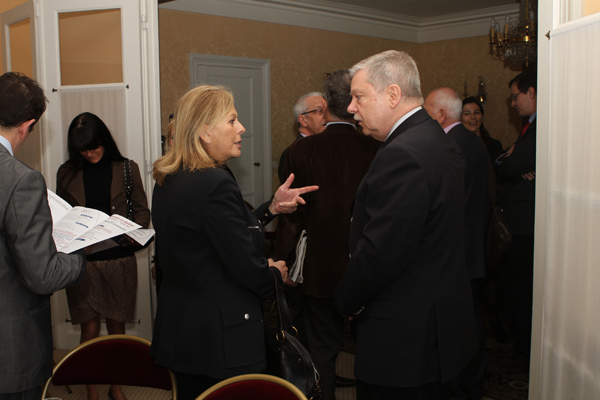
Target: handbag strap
{"points": [[128, 188], [285, 319]]}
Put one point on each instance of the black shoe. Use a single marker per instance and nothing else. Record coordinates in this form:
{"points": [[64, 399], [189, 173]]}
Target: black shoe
{"points": [[340, 381]]}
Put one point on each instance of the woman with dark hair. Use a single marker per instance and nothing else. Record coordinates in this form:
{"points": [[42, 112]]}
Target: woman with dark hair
{"points": [[472, 119], [94, 177]]}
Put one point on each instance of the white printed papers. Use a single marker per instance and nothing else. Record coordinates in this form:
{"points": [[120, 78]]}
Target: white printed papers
{"points": [[77, 227], [298, 267]]}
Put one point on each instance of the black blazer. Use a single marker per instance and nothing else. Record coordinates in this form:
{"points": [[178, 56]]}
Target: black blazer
{"points": [[517, 195], [283, 159], [475, 163], [407, 265], [209, 317], [336, 160]]}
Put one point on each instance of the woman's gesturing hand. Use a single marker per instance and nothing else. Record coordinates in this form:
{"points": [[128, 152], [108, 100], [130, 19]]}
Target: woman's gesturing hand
{"points": [[286, 200]]}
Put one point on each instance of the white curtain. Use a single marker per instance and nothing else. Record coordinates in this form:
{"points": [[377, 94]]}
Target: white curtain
{"points": [[571, 313], [108, 103]]}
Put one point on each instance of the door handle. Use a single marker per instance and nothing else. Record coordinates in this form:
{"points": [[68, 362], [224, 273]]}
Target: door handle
{"points": [[257, 164]]}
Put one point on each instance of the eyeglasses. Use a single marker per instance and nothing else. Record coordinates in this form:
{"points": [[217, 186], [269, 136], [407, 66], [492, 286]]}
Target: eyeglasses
{"points": [[317, 110], [514, 96]]}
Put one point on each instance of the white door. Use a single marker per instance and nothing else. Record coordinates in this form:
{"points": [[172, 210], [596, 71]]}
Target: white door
{"points": [[249, 81], [103, 58]]}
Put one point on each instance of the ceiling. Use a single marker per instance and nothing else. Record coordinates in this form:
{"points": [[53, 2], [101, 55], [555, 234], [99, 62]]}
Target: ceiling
{"points": [[415, 21], [415, 8], [425, 8]]}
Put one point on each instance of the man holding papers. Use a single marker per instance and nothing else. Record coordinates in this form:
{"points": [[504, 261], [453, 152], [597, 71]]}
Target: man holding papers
{"points": [[30, 267]]}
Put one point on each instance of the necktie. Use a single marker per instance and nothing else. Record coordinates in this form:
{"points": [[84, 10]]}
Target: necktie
{"points": [[525, 128]]}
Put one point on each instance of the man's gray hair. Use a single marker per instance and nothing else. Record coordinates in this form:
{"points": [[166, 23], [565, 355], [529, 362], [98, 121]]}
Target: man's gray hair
{"points": [[389, 68], [450, 102], [300, 105]]}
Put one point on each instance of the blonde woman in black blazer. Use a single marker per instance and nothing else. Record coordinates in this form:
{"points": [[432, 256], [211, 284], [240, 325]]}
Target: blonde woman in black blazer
{"points": [[208, 323]]}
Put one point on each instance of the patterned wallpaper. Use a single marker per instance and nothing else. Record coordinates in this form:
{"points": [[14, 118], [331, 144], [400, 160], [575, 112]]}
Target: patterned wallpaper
{"points": [[300, 57]]}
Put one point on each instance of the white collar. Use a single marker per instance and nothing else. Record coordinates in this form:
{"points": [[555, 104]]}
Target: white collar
{"points": [[340, 123], [4, 141], [401, 120]]}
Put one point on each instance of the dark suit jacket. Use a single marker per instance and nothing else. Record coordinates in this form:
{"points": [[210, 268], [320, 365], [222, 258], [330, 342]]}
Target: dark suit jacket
{"points": [[517, 195], [30, 270], [407, 265], [336, 160], [475, 163], [282, 160], [69, 186], [209, 317]]}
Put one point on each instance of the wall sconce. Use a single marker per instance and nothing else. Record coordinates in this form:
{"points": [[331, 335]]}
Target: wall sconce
{"points": [[481, 93]]}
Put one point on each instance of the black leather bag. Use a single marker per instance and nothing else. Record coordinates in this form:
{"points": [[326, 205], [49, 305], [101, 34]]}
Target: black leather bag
{"points": [[126, 241], [287, 358]]}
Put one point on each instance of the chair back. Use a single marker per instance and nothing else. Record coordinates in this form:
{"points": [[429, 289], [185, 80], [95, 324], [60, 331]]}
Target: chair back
{"points": [[253, 387], [112, 360]]}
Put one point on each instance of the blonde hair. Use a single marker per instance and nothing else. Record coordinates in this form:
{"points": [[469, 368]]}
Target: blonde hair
{"points": [[198, 110]]}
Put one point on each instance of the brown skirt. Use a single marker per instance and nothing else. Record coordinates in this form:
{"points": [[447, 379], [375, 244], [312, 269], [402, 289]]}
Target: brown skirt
{"points": [[108, 288]]}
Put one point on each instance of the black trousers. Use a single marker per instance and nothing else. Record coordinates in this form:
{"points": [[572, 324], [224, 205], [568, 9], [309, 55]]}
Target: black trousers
{"points": [[469, 383], [189, 387], [517, 291], [31, 394], [324, 330], [430, 391]]}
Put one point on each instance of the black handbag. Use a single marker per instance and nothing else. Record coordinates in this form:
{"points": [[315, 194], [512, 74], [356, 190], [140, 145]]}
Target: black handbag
{"points": [[128, 188], [127, 242], [287, 358]]}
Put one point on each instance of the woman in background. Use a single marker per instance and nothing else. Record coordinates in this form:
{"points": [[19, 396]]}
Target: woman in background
{"points": [[94, 177], [472, 119], [210, 245]]}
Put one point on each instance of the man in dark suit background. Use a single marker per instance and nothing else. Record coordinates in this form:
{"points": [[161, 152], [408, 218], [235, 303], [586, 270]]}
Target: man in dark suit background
{"points": [[445, 107], [30, 267], [406, 280], [309, 111], [517, 197], [336, 160]]}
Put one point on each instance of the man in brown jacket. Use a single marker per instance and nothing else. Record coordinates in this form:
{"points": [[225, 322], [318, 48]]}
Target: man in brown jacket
{"points": [[336, 160]]}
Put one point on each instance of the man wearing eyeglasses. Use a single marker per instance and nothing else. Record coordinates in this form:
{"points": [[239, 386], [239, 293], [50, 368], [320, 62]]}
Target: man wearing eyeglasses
{"points": [[517, 198], [309, 112]]}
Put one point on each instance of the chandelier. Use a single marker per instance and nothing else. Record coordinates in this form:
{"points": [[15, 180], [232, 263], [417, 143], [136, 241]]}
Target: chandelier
{"points": [[517, 43]]}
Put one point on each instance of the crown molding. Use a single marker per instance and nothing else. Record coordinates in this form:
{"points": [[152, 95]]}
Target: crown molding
{"points": [[351, 19]]}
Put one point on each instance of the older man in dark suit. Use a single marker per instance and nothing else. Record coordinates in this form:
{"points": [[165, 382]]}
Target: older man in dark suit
{"points": [[445, 107], [336, 160], [30, 267], [309, 111], [406, 281]]}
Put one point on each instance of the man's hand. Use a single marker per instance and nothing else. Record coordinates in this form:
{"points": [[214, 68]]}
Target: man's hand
{"points": [[529, 176], [286, 200], [510, 150]]}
